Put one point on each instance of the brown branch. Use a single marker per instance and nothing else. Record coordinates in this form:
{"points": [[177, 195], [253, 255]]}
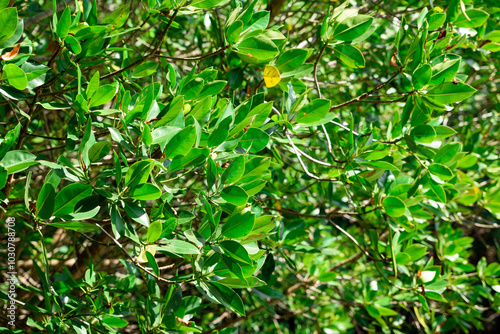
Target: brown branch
{"points": [[365, 95]]}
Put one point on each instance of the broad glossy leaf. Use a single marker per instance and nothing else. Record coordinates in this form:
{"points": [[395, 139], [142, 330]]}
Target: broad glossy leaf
{"points": [[475, 18], [291, 59], [15, 76], [138, 173], [154, 231], [234, 171], [16, 161], [195, 157], [103, 95], [64, 23], [350, 55], [394, 206], [234, 195], [145, 69], [99, 150], [67, 198], [313, 112], [181, 143], [258, 48], [449, 92], [423, 133], [144, 192], [443, 172], [239, 225], [236, 251], [352, 27], [421, 76], [416, 251], [8, 23], [254, 139], [227, 297], [45, 201], [447, 153], [76, 226], [137, 213], [178, 247]]}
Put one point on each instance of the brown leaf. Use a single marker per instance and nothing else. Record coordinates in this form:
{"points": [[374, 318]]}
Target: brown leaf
{"points": [[441, 35], [393, 61], [11, 54]]}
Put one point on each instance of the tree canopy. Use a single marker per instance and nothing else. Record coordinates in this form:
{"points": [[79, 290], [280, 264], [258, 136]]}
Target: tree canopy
{"points": [[274, 166]]}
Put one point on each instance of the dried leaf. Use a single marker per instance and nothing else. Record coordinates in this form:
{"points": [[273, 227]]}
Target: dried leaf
{"points": [[11, 54]]}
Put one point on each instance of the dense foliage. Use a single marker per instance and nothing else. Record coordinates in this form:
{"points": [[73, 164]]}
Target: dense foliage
{"points": [[251, 166]]}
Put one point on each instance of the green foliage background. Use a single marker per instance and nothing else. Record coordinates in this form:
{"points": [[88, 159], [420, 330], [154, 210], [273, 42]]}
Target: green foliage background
{"points": [[163, 182]]}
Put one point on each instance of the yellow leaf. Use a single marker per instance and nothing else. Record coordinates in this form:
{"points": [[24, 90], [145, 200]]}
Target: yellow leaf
{"points": [[142, 255], [271, 76]]}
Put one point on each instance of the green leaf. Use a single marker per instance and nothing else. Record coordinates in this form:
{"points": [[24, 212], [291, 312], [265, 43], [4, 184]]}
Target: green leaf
{"points": [[350, 55], [227, 297], [255, 168], [154, 231], [402, 258], [447, 153], [136, 212], [118, 17], [313, 112], [257, 49], [436, 20], [114, 321], [205, 4], [352, 27], [443, 132], [449, 92], [152, 262], [163, 134], [145, 69], [99, 150], [441, 171], [474, 18], [195, 157], [236, 283], [233, 32], [394, 206], [423, 133], [236, 251], [178, 247], [435, 296], [144, 192], [15, 76], [76, 226], [69, 196], [234, 171], [93, 85], [416, 252], [64, 24], [54, 105], [234, 195], [421, 76], [181, 143], [103, 95], [45, 202], [8, 23], [255, 139], [292, 59], [239, 225], [16, 161], [138, 173], [445, 71], [383, 165], [372, 311], [220, 133]]}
